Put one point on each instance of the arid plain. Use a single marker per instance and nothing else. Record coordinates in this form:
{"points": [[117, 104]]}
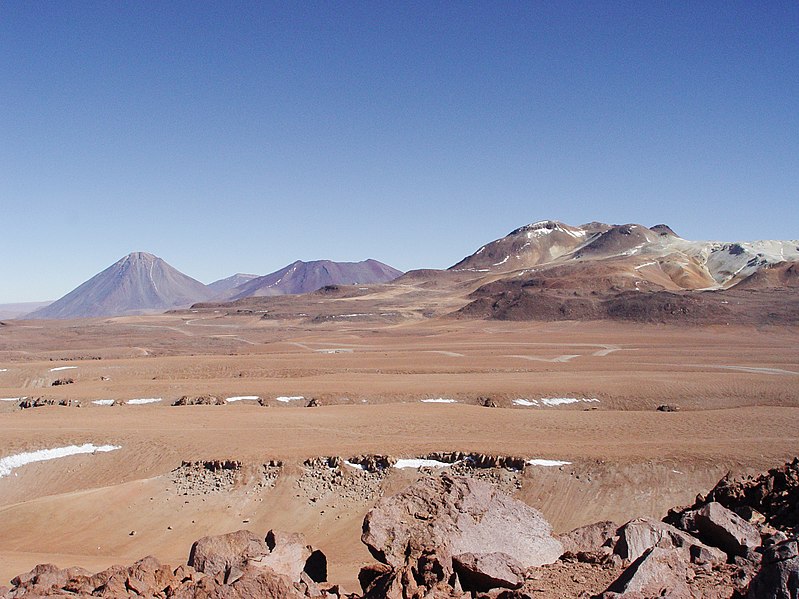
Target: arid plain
{"points": [[736, 387]]}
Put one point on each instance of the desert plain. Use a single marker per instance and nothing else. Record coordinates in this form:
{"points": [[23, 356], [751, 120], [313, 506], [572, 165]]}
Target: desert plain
{"points": [[734, 388]]}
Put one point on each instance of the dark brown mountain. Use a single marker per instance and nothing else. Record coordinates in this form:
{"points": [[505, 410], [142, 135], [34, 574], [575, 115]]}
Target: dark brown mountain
{"points": [[138, 283], [304, 277]]}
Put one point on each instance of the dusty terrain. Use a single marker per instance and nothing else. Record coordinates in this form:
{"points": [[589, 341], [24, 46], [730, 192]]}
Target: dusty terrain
{"points": [[737, 389]]}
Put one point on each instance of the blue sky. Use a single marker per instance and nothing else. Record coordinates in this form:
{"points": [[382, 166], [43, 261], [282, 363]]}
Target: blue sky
{"points": [[237, 137]]}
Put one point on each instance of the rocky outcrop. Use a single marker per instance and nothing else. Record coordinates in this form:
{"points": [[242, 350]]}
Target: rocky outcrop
{"points": [[41, 402], [201, 400], [774, 494]]}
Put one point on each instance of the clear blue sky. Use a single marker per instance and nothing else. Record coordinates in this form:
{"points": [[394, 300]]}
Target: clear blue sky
{"points": [[240, 136]]}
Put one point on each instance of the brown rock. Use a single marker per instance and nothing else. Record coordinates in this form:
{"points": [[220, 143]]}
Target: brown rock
{"points": [[637, 536], [720, 527], [215, 554], [484, 571], [778, 577], [457, 515], [289, 554], [656, 573], [589, 538]]}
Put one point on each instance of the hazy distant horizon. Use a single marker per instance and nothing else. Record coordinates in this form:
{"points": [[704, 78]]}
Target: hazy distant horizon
{"points": [[239, 138]]}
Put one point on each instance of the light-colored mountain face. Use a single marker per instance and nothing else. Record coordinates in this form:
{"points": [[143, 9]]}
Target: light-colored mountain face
{"points": [[656, 255], [139, 282], [305, 277]]}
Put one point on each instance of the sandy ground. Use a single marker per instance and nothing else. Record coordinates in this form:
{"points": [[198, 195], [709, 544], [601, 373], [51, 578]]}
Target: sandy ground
{"points": [[737, 387]]}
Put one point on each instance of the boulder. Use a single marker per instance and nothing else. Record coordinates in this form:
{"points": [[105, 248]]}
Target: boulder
{"points": [[457, 515], [484, 571], [289, 554], [637, 536], [778, 577], [656, 573], [215, 554], [720, 527], [262, 583], [590, 538]]}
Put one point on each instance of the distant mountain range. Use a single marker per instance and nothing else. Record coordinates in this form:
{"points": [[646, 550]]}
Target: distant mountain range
{"points": [[506, 276], [142, 283], [304, 277]]}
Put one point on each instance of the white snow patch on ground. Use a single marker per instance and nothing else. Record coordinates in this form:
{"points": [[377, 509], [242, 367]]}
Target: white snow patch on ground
{"points": [[242, 398], [11, 462], [3, 369], [440, 400], [552, 402], [525, 402], [335, 350], [501, 262], [420, 463], [287, 399], [11, 398], [558, 401], [63, 368], [542, 462], [640, 266], [356, 466], [143, 400], [103, 402]]}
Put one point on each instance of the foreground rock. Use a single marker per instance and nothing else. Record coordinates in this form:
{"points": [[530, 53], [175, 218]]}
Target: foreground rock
{"points": [[446, 534], [779, 575], [448, 537], [236, 565], [656, 573], [457, 515]]}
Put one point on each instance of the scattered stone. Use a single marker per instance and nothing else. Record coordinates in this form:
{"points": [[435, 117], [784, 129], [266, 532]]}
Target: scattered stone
{"points": [[62, 381], [668, 408]]}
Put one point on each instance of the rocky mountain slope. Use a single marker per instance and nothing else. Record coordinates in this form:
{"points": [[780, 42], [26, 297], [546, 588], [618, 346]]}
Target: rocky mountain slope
{"points": [[653, 255], [554, 271], [139, 282], [304, 277]]}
